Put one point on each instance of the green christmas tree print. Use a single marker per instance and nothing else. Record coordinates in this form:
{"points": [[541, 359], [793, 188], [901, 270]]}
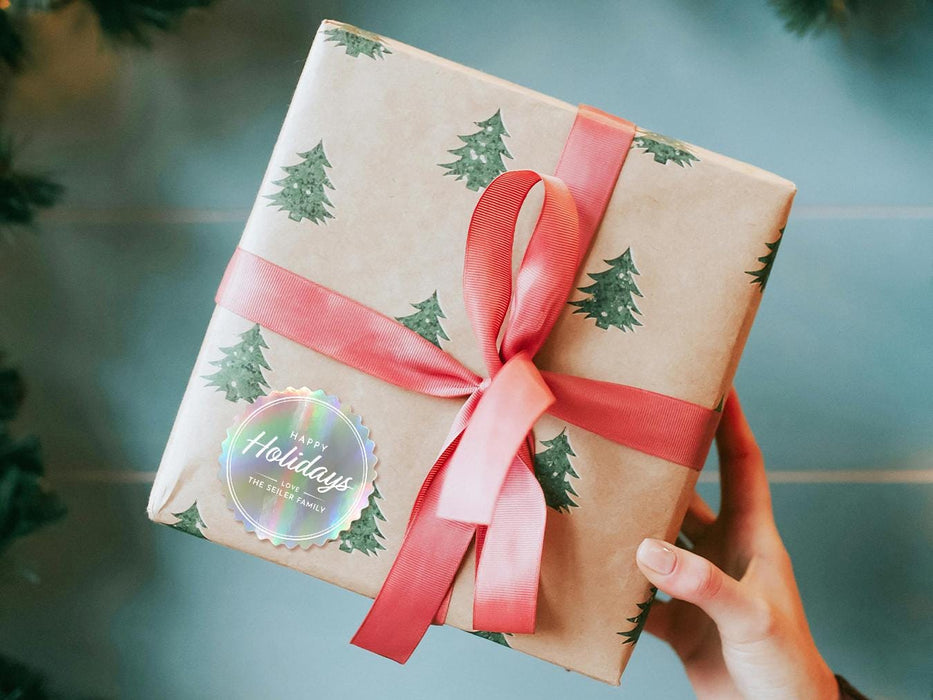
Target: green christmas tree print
{"points": [[552, 468], [363, 532], [190, 521], [497, 637], [632, 635], [302, 194], [760, 276], [240, 370], [358, 42], [480, 156], [611, 301], [664, 149], [426, 322]]}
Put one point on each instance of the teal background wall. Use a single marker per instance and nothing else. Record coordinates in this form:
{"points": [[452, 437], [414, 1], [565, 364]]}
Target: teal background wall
{"points": [[162, 152]]}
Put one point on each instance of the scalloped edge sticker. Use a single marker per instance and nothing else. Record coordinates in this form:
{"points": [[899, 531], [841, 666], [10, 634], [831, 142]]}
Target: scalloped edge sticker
{"points": [[298, 469]]}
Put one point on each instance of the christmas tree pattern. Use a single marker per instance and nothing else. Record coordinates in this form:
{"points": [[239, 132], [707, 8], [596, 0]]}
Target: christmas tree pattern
{"points": [[240, 373], [358, 42], [611, 300], [632, 635], [190, 521], [552, 467], [664, 149], [480, 156], [760, 276], [302, 194], [497, 637], [363, 532], [426, 322]]}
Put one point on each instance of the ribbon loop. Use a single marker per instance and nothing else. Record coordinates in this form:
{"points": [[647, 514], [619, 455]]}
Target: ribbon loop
{"points": [[544, 277]]}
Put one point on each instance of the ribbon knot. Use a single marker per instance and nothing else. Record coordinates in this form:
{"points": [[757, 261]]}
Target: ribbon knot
{"points": [[489, 445]]}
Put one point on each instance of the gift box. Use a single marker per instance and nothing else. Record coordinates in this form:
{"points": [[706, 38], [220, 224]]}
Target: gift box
{"points": [[302, 438]]}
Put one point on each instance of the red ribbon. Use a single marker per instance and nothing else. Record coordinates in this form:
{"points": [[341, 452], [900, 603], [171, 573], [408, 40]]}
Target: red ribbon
{"points": [[482, 485]]}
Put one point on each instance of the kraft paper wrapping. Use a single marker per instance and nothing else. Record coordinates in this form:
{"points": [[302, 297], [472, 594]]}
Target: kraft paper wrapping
{"points": [[696, 225]]}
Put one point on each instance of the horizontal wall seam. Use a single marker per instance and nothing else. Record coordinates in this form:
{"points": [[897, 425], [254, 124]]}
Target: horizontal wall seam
{"points": [[848, 476], [168, 215]]}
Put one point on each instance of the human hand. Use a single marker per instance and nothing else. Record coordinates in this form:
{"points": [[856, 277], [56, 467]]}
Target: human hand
{"points": [[735, 617]]}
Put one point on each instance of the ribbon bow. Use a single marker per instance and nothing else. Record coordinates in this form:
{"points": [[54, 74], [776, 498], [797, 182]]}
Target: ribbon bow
{"points": [[482, 485]]}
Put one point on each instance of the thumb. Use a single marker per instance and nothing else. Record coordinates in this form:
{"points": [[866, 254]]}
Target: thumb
{"points": [[691, 578]]}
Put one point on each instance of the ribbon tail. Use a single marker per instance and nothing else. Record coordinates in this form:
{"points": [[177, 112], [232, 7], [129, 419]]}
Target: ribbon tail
{"points": [[509, 562], [417, 590], [440, 617], [419, 581]]}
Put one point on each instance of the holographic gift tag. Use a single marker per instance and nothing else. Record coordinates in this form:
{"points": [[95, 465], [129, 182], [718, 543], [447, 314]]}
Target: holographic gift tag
{"points": [[298, 469]]}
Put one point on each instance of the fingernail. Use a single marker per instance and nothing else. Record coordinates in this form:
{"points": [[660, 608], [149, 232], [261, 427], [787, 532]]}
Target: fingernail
{"points": [[657, 556]]}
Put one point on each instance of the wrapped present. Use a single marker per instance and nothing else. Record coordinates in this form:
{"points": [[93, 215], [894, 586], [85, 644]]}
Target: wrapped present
{"points": [[393, 397]]}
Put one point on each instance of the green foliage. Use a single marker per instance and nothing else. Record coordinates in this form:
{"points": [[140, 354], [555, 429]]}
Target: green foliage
{"points": [[358, 42], [121, 20], [19, 682], [362, 534], [665, 149], [240, 373], [760, 276], [611, 301], [302, 193], [22, 194], [480, 156], [552, 469], [190, 521], [12, 393], [803, 16], [497, 637], [426, 322], [632, 635], [12, 49], [25, 503], [131, 20]]}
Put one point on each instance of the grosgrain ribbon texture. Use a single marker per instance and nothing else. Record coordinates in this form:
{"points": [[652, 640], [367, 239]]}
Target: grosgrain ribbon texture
{"points": [[482, 486]]}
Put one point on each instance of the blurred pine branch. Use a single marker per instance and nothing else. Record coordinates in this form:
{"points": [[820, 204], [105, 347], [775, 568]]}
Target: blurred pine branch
{"points": [[879, 17], [803, 16], [22, 194], [131, 20], [25, 503], [12, 49], [19, 682], [126, 21]]}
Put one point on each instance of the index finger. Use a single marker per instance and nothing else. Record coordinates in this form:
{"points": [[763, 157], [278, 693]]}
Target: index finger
{"points": [[742, 479]]}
